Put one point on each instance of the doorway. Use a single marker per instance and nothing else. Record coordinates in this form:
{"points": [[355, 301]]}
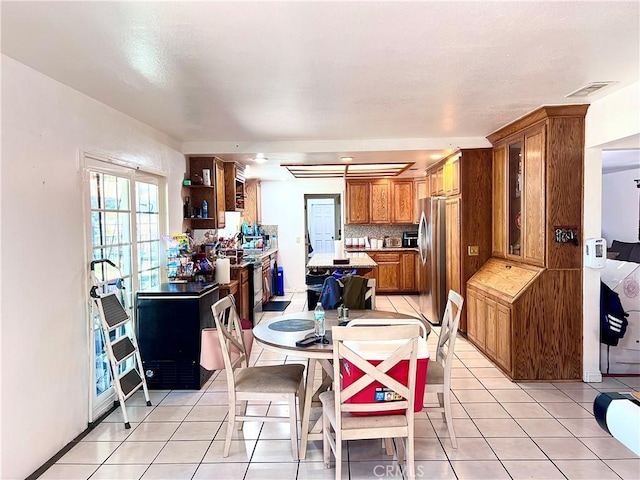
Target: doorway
{"points": [[323, 223]]}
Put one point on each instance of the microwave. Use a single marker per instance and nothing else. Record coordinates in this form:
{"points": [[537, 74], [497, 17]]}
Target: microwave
{"points": [[410, 239]]}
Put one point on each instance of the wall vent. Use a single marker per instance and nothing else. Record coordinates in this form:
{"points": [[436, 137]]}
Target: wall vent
{"points": [[589, 89]]}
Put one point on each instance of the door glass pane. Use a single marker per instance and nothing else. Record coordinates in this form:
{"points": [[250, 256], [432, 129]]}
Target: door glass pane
{"points": [[148, 234], [515, 197]]}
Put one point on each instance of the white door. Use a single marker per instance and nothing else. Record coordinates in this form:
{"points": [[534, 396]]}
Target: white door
{"points": [[322, 224]]}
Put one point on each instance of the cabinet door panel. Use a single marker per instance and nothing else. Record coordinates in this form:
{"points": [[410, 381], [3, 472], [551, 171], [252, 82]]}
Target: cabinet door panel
{"points": [[499, 202], [220, 194], [408, 272], [490, 328], [358, 202], [403, 202], [452, 177], [533, 218], [503, 337], [472, 316], [422, 188], [380, 202], [452, 226], [388, 275]]}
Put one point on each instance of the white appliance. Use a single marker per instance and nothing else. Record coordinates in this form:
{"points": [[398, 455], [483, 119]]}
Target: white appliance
{"points": [[432, 283]]}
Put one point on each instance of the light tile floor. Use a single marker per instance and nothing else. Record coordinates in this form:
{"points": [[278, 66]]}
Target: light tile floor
{"points": [[504, 429]]}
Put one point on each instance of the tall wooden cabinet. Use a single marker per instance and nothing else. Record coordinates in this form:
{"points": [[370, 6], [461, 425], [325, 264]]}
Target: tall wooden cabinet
{"points": [[465, 179], [525, 305]]}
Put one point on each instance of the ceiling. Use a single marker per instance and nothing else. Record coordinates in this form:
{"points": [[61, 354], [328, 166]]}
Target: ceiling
{"points": [[309, 82]]}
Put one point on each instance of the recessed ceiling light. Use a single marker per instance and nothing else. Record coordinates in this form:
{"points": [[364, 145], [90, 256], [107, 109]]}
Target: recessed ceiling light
{"points": [[260, 158], [346, 159]]}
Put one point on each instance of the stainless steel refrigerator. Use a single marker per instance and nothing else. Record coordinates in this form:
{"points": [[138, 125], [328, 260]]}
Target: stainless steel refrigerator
{"points": [[432, 266]]}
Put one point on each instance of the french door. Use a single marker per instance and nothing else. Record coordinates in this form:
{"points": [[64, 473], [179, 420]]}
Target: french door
{"points": [[125, 226]]}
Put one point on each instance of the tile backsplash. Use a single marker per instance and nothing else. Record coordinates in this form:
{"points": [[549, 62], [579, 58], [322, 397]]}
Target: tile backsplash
{"points": [[377, 231]]}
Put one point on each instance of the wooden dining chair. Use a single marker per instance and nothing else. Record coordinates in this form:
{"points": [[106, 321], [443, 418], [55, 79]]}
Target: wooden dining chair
{"points": [[439, 370], [276, 383], [343, 418]]}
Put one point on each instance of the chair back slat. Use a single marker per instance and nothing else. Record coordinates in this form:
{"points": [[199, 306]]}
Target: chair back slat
{"points": [[230, 336], [449, 330]]}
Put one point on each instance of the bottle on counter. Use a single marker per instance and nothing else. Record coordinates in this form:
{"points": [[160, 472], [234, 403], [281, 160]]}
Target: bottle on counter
{"points": [[205, 209], [318, 317], [186, 208]]}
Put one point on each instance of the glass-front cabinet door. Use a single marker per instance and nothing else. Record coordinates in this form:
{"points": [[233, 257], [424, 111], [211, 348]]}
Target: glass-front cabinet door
{"points": [[514, 197]]}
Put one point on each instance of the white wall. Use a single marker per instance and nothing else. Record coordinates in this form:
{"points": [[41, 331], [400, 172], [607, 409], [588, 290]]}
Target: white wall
{"points": [[45, 364], [283, 205], [620, 207], [614, 117]]}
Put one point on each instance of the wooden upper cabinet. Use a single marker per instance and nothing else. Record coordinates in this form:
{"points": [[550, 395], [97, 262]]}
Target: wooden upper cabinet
{"points": [[358, 201], [533, 218], [538, 168], [437, 181], [213, 194], [499, 222], [220, 192], [402, 201], [452, 176], [422, 188], [234, 186], [252, 212], [380, 201]]}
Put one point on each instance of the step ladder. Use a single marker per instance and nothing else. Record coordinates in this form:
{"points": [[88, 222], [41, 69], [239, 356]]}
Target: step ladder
{"points": [[120, 339]]}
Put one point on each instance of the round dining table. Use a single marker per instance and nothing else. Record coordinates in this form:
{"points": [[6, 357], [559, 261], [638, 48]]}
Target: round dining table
{"points": [[280, 334]]}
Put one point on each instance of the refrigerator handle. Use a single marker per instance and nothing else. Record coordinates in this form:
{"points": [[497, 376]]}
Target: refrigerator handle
{"points": [[421, 242]]}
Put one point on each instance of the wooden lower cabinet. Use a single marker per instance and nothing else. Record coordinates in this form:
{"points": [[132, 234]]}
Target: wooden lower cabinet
{"points": [[489, 327], [396, 272], [524, 318], [242, 276], [388, 272]]}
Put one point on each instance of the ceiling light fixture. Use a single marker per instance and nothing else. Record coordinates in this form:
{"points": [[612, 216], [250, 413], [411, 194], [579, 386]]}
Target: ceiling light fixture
{"points": [[346, 159], [354, 170], [260, 158]]}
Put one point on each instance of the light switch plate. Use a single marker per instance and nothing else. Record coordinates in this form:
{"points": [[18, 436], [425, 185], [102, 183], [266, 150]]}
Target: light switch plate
{"points": [[473, 250]]}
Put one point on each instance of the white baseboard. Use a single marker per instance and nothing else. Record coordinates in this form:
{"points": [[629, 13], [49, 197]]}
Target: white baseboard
{"points": [[592, 376]]}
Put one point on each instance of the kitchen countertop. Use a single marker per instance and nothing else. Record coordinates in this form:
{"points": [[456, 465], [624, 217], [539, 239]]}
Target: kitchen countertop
{"points": [[356, 260], [260, 256], [179, 289], [383, 249]]}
